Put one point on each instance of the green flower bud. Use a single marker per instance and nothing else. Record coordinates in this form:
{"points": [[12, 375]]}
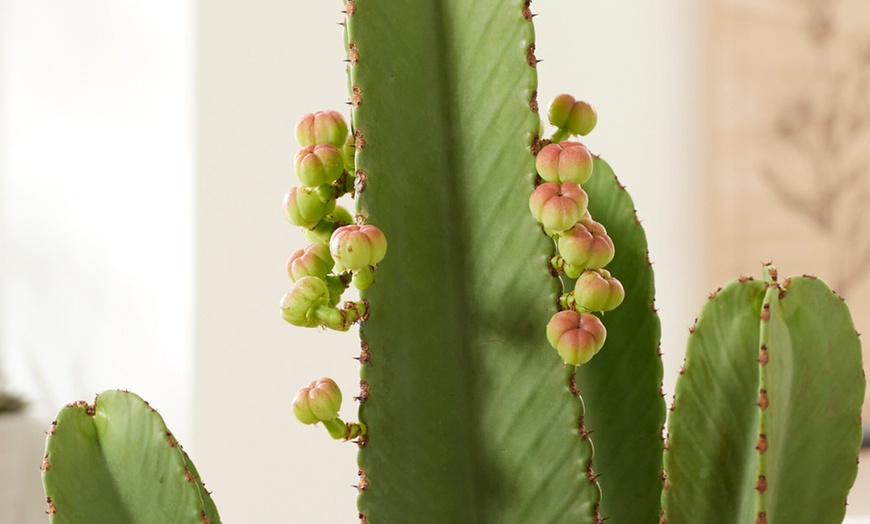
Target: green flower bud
{"points": [[356, 247], [319, 402], [299, 304], [314, 260], [587, 245], [565, 162], [322, 232], [319, 165], [583, 119], [560, 110], [558, 206], [322, 127], [576, 337], [303, 207], [596, 290]]}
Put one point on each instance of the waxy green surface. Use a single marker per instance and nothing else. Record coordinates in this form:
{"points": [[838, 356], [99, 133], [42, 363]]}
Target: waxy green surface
{"points": [[766, 425], [469, 412], [622, 384], [120, 465]]}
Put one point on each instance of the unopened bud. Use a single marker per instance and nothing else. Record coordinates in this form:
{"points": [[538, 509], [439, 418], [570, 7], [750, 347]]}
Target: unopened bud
{"points": [[314, 260], [560, 110], [356, 247], [577, 337], [304, 208], [596, 290], [583, 119], [299, 304], [319, 402], [318, 165], [587, 245], [322, 127], [558, 206], [565, 162]]}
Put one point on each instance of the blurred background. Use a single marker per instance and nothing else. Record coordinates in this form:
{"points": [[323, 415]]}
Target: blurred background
{"points": [[145, 148]]}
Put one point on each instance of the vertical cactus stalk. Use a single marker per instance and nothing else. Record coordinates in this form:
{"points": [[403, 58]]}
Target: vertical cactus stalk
{"points": [[115, 462], [768, 411]]}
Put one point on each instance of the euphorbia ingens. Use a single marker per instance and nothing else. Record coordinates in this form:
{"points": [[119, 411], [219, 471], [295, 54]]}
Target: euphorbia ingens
{"points": [[577, 337]]}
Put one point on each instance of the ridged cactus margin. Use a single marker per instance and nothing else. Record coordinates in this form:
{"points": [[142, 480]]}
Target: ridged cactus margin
{"points": [[767, 411], [115, 462]]}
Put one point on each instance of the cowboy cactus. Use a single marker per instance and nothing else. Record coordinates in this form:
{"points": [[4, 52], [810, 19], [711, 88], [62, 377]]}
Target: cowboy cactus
{"points": [[507, 315]]}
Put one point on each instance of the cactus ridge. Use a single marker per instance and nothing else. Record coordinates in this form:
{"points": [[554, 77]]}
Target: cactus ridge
{"points": [[489, 402], [767, 412], [625, 406], [136, 471]]}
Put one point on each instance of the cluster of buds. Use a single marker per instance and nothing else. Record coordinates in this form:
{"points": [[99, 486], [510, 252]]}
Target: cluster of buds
{"points": [[340, 252], [560, 204]]}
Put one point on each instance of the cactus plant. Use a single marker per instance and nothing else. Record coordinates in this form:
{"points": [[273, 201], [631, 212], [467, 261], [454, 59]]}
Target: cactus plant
{"points": [[507, 315]]}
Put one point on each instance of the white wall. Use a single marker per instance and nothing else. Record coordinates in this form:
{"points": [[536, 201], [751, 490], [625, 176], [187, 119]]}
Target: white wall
{"points": [[264, 63], [96, 203]]}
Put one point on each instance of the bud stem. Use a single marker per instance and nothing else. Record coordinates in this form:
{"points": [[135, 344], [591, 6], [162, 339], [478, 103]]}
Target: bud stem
{"points": [[559, 135]]}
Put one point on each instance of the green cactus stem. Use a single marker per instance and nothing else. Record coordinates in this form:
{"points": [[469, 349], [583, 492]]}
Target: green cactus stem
{"points": [[768, 409], [115, 462]]}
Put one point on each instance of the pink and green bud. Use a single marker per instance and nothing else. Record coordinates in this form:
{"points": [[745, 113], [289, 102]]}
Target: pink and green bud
{"points": [[587, 245], [300, 305], [314, 261], [304, 208], [322, 232], [319, 402], [322, 127], [583, 119], [596, 290], [565, 162], [560, 110], [577, 337], [356, 247], [558, 206], [318, 165]]}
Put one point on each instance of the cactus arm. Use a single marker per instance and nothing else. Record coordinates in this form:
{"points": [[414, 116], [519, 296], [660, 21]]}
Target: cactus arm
{"points": [[814, 389], [622, 384], [713, 428], [458, 363], [116, 462]]}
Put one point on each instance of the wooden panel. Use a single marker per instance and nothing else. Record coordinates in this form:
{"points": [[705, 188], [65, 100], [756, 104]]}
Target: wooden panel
{"points": [[788, 143]]}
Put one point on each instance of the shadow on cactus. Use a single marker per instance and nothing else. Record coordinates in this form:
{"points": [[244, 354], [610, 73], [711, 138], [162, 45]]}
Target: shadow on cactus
{"points": [[507, 313]]}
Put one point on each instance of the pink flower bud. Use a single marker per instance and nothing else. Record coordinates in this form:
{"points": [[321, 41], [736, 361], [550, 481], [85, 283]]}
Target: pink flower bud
{"points": [[318, 165], [322, 127], [314, 260], [319, 402], [596, 290], [356, 247], [558, 206], [565, 162], [587, 245], [577, 337]]}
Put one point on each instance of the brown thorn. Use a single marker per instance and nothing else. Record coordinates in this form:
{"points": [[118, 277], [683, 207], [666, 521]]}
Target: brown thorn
{"points": [[356, 97], [761, 484], [763, 357], [45, 466], [50, 508], [762, 518], [765, 313], [351, 8], [359, 183], [533, 102], [763, 401], [530, 56], [761, 446], [359, 141], [352, 53]]}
